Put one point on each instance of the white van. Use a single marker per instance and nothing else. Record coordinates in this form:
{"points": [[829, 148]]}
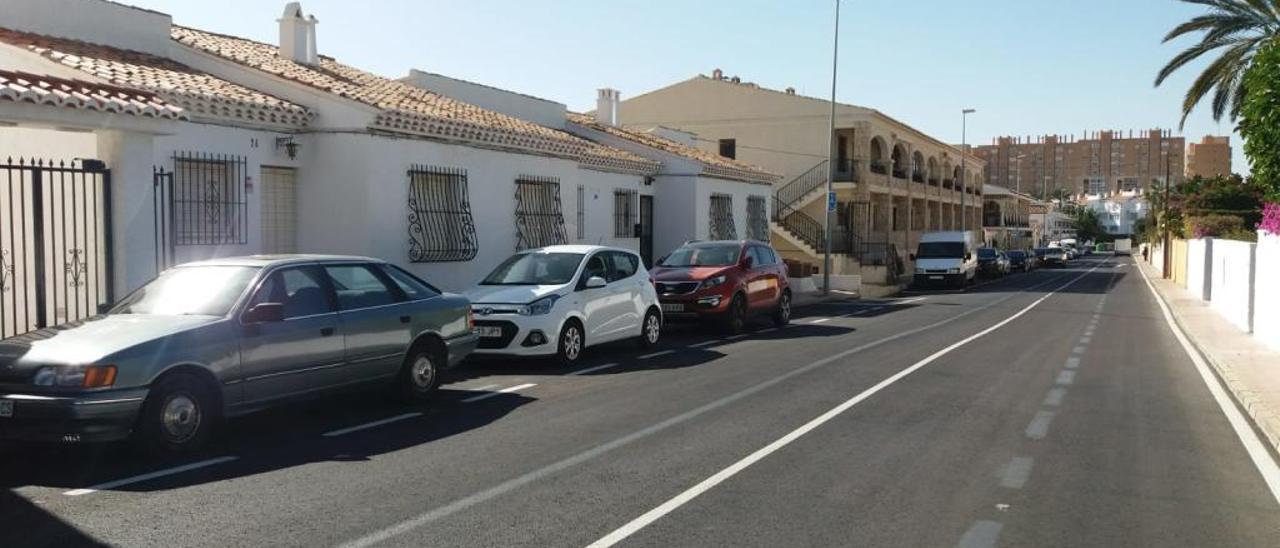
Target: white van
{"points": [[946, 258]]}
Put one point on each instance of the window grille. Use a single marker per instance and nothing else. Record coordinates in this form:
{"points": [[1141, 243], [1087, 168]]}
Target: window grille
{"points": [[722, 226], [207, 199], [441, 228], [624, 213], [539, 220], [582, 213], [757, 219]]}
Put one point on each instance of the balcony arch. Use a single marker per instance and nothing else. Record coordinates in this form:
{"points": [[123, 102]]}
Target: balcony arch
{"points": [[932, 171], [900, 161], [917, 167]]}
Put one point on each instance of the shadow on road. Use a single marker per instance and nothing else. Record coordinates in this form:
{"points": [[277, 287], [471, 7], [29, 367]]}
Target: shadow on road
{"points": [[24, 523]]}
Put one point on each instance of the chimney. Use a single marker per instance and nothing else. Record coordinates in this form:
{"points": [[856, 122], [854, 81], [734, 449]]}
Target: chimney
{"points": [[717, 74], [607, 106], [791, 91], [297, 35]]}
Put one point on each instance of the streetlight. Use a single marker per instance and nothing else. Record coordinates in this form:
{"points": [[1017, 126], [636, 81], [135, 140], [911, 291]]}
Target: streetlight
{"points": [[964, 166], [831, 158]]}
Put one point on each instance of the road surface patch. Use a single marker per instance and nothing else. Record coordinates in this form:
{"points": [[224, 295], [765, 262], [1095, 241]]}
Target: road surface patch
{"points": [[983, 534], [593, 369]]}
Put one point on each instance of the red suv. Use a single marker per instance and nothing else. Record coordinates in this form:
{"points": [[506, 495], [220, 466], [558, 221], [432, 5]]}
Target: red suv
{"points": [[725, 280]]}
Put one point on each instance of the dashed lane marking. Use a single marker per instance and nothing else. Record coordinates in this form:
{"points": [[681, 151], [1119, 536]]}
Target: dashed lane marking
{"points": [[1039, 426], [1054, 397], [1016, 473]]}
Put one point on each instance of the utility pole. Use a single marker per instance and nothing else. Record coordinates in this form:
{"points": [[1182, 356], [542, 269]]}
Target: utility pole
{"points": [[831, 159], [964, 166], [1168, 248]]}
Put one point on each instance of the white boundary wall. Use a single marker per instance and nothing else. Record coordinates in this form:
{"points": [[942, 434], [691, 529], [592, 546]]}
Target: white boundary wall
{"points": [[1200, 268], [1266, 297], [1231, 276]]}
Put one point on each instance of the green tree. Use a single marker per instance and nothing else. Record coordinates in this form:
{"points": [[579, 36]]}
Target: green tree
{"points": [[1260, 119], [1088, 226], [1237, 28]]}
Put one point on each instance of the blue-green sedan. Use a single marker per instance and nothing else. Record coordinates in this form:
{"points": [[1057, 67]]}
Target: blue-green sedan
{"points": [[219, 338]]}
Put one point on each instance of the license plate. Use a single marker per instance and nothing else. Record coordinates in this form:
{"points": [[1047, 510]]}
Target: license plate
{"points": [[935, 277], [672, 307], [6, 408], [487, 331]]}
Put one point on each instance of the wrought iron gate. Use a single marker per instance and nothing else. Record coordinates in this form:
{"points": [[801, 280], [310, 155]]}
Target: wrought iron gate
{"points": [[55, 242]]}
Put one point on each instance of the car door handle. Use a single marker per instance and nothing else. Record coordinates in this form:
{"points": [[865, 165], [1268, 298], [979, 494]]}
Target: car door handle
{"points": [[405, 319], [326, 331]]}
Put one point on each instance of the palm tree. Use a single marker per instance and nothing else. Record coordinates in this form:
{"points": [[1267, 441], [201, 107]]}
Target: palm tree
{"points": [[1236, 27]]}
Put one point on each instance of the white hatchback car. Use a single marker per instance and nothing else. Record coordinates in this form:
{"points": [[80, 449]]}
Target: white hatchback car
{"points": [[557, 300]]}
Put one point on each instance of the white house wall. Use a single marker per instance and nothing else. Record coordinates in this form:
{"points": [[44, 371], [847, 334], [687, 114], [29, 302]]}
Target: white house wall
{"points": [[47, 144]]}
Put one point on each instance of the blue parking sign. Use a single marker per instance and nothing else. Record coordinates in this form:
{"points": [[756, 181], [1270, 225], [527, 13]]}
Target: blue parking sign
{"points": [[831, 201]]}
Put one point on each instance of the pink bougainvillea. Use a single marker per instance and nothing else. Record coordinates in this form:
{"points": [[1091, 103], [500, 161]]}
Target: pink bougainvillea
{"points": [[1270, 219]]}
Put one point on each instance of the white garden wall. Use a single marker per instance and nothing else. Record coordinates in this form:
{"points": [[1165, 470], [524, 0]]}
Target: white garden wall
{"points": [[1266, 297], [1232, 281], [1200, 267]]}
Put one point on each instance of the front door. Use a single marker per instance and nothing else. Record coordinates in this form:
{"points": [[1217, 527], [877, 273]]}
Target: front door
{"points": [[646, 230], [302, 353], [279, 210]]}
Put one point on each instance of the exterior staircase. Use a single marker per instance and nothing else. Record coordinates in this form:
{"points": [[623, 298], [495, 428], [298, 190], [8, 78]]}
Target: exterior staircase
{"points": [[790, 220]]}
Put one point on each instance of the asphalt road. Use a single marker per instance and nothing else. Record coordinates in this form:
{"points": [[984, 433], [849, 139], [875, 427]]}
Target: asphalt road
{"points": [[1054, 408]]}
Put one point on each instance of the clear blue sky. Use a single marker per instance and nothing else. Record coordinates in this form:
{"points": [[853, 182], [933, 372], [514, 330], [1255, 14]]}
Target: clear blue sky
{"points": [[1030, 67]]}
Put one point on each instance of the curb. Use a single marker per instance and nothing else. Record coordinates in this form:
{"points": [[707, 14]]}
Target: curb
{"points": [[1262, 418]]}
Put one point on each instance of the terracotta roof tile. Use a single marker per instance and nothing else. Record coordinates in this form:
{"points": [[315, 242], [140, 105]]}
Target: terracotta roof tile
{"points": [[410, 109], [714, 164], [200, 94], [21, 87]]}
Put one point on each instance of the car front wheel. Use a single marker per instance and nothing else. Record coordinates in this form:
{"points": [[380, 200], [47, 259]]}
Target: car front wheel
{"points": [[570, 347], [178, 415]]}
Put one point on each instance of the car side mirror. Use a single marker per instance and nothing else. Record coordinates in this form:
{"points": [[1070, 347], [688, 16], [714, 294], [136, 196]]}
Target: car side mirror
{"points": [[748, 261], [968, 256], [595, 282], [912, 256], [265, 313]]}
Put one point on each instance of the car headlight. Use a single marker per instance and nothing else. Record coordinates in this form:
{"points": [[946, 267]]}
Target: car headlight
{"points": [[712, 282], [539, 307], [93, 376]]}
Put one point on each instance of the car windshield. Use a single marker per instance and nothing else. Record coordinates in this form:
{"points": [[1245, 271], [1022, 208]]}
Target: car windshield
{"points": [[940, 250], [704, 255], [986, 253], [535, 269], [189, 290]]}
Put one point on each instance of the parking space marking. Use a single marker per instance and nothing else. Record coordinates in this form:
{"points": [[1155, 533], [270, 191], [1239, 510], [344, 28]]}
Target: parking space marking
{"points": [[983, 534], [148, 476], [1067, 377], [515, 388], [373, 424], [705, 343], [821, 320], [1054, 397], [1016, 473], [484, 388], [593, 369], [1073, 362], [1038, 428], [656, 354]]}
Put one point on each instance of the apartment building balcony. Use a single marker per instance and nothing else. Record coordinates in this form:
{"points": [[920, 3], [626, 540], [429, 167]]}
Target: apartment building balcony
{"points": [[846, 171]]}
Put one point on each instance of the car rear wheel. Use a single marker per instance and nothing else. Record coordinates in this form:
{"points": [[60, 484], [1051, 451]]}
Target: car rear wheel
{"points": [[737, 320], [570, 347], [178, 415], [420, 374], [782, 316], [651, 329]]}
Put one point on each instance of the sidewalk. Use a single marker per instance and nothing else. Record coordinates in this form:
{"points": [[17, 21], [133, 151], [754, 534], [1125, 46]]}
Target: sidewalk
{"points": [[1250, 370]]}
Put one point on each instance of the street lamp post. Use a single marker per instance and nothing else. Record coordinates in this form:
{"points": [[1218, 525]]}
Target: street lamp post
{"points": [[1017, 172], [831, 158], [964, 166]]}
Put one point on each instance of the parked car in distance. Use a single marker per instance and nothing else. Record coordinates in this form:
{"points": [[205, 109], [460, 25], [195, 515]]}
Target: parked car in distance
{"points": [[726, 281], [558, 300], [992, 262], [945, 258], [1052, 256], [213, 339], [1020, 261]]}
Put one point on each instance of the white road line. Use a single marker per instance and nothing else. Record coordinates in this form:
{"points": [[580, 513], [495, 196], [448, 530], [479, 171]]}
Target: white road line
{"points": [[736, 337], [1054, 397], [594, 369], [1073, 362], [909, 301], [1086, 339], [1038, 428], [1016, 473], [683, 498], [1088, 332], [821, 320], [1067, 377], [656, 354], [706, 343], [148, 476], [490, 493], [484, 388], [373, 424], [516, 388], [1077, 350], [983, 534], [1262, 459]]}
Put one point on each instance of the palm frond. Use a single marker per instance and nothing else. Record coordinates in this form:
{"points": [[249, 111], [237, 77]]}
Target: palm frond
{"points": [[1188, 55]]}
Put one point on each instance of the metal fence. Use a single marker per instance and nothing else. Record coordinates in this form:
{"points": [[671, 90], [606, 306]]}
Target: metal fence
{"points": [[441, 228], [55, 242], [539, 219]]}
